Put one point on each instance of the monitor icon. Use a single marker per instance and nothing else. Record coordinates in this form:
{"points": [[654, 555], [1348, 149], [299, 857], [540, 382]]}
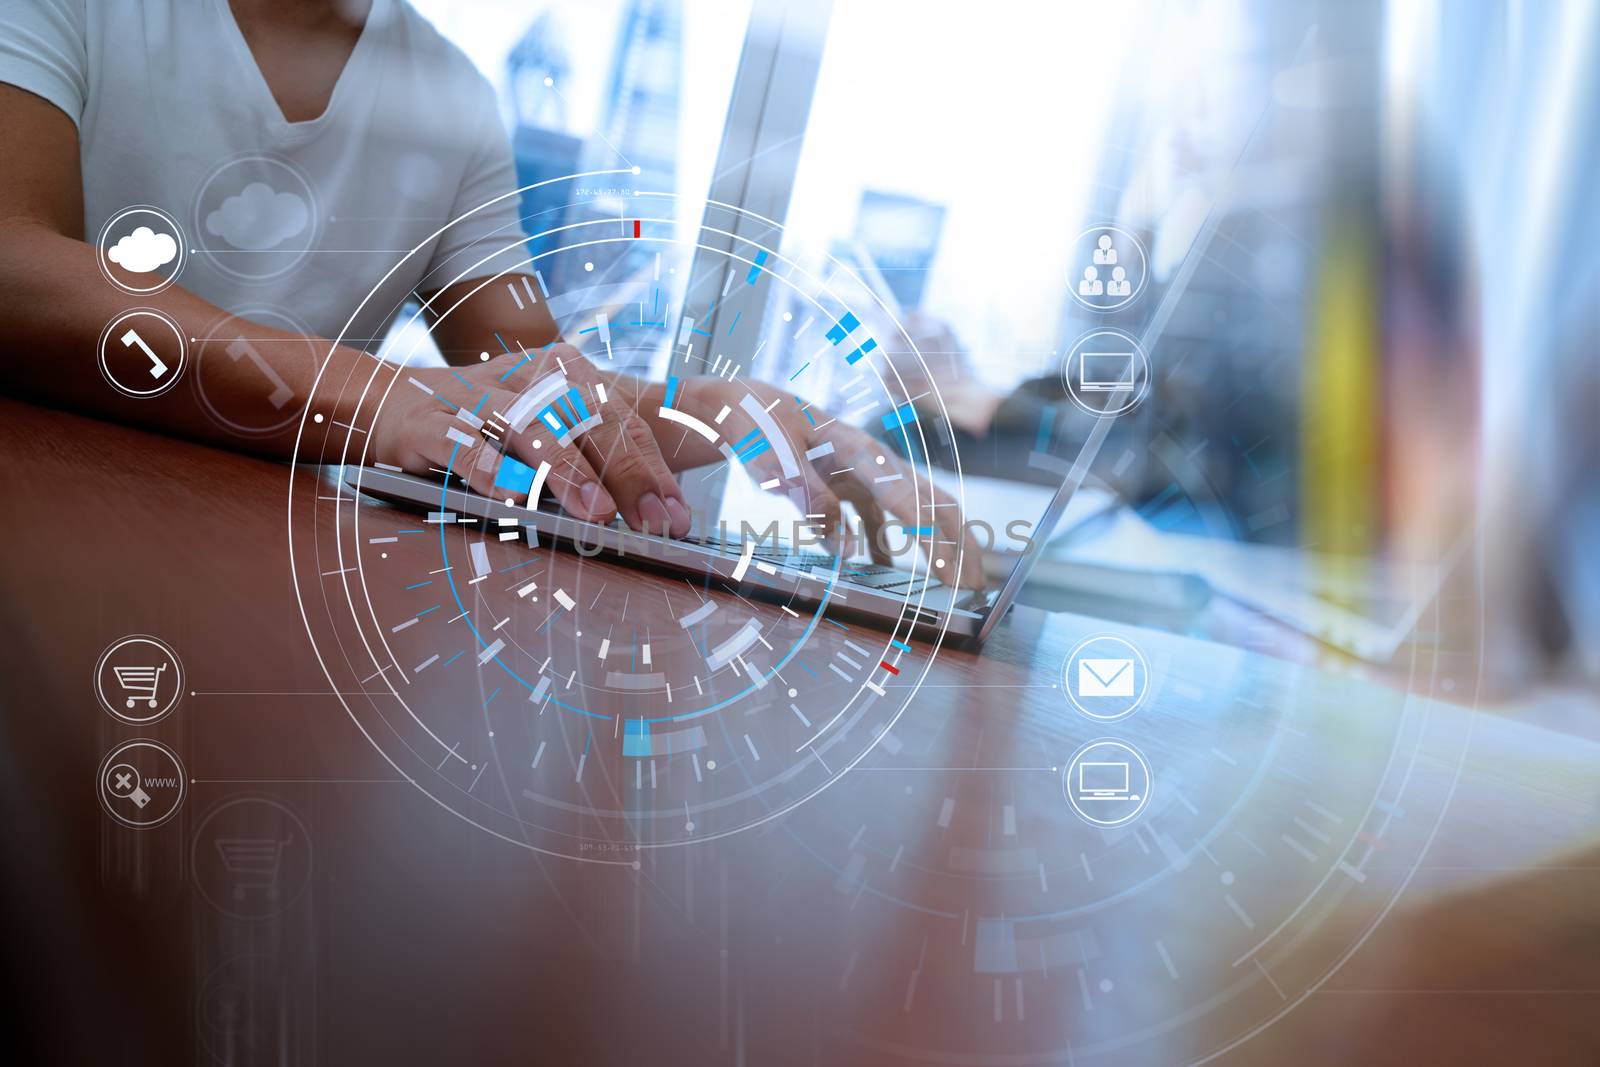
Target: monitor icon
{"points": [[1107, 782], [1104, 781], [1106, 372]]}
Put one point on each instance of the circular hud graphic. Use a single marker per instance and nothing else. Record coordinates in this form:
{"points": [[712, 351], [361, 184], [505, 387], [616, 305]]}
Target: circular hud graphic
{"points": [[585, 709]]}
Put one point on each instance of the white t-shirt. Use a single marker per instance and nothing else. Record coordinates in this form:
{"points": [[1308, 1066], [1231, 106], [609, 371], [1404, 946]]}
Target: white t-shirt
{"points": [[289, 219]]}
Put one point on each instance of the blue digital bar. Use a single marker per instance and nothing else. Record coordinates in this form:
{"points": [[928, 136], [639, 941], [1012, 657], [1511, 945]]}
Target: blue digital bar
{"points": [[635, 737], [844, 328], [575, 404], [755, 271], [672, 392], [1047, 419], [867, 346], [900, 416], [514, 475], [551, 417]]}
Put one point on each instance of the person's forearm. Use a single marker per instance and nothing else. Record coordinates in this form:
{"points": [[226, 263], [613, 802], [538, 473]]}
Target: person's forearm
{"points": [[55, 304], [477, 316]]}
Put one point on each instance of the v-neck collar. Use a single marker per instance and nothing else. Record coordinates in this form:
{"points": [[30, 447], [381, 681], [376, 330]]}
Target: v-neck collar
{"points": [[377, 16]]}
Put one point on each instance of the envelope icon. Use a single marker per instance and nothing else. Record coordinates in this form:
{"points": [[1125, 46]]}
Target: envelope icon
{"points": [[1105, 677]]}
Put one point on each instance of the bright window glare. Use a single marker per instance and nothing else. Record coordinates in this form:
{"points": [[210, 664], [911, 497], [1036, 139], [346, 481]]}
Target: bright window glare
{"points": [[1000, 120], [587, 42], [713, 32]]}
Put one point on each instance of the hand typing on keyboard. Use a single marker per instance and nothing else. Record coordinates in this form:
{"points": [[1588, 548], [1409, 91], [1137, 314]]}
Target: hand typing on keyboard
{"points": [[881, 486]]}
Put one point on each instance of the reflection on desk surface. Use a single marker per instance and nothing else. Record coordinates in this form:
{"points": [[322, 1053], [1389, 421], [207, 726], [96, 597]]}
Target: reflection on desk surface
{"points": [[1310, 838]]}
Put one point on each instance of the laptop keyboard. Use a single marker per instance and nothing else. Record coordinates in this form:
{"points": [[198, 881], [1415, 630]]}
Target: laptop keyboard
{"points": [[779, 553], [870, 575]]}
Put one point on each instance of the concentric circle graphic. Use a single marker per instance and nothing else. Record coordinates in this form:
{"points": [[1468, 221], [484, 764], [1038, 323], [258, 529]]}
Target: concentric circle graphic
{"points": [[1291, 810], [586, 708]]}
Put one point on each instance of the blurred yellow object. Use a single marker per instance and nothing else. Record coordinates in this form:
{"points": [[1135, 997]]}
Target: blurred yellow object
{"points": [[1342, 409]]}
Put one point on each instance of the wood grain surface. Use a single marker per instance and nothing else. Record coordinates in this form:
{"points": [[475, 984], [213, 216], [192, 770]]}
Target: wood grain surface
{"points": [[845, 932]]}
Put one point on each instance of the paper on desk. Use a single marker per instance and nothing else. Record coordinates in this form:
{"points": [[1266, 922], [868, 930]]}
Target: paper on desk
{"points": [[1000, 502], [1364, 607]]}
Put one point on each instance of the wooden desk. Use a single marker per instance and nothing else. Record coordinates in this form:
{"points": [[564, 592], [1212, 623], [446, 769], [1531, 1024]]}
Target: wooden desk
{"points": [[939, 904]]}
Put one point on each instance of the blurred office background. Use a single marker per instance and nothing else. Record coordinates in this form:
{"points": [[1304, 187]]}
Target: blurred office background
{"points": [[1374, 221]]}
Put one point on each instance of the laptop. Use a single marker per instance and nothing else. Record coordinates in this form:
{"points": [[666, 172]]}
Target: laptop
{"points": [[870, 593], [867, 592]]}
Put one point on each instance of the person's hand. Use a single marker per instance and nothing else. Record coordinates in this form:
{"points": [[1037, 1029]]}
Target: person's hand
{"points": [[939, 365], [859, 469], [614, 466]]}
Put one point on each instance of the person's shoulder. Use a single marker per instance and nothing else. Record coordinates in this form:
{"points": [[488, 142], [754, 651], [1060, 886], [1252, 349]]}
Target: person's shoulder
{"points": [[423, 42]]}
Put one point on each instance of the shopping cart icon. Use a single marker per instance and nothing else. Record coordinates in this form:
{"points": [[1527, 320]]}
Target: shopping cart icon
{"points": [[254, 863], [139, 683]]}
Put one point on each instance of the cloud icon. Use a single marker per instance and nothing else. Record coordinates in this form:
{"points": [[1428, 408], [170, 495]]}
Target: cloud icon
{"points": [[258, 218], [143, 250]]}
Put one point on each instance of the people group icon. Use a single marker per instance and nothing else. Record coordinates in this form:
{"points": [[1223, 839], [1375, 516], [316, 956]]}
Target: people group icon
{"points": [[1091, 285], [1096, 283]]}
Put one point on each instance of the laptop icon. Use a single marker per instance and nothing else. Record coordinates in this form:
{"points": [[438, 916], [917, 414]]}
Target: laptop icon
{"points": [[1105, 372], [1103, 781]]}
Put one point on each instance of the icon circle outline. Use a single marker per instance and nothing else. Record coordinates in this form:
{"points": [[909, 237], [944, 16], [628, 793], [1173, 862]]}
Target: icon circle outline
{"points": [[217, 256], [1073, 657], [172, 374], [1138, 286], [1077, 757], [118, 708], [281, 902], [1141, 370], [252, 315], [177, 235], [114, 758]]}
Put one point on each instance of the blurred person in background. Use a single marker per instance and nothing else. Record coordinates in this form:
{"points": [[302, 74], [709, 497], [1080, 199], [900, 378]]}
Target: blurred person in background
{"points": [[1493, 91]]}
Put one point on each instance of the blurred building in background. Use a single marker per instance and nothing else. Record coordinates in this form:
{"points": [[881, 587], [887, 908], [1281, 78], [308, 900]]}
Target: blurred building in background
{"points": [[541, 136], [640, 124], [638, 128], [899, 236]]}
